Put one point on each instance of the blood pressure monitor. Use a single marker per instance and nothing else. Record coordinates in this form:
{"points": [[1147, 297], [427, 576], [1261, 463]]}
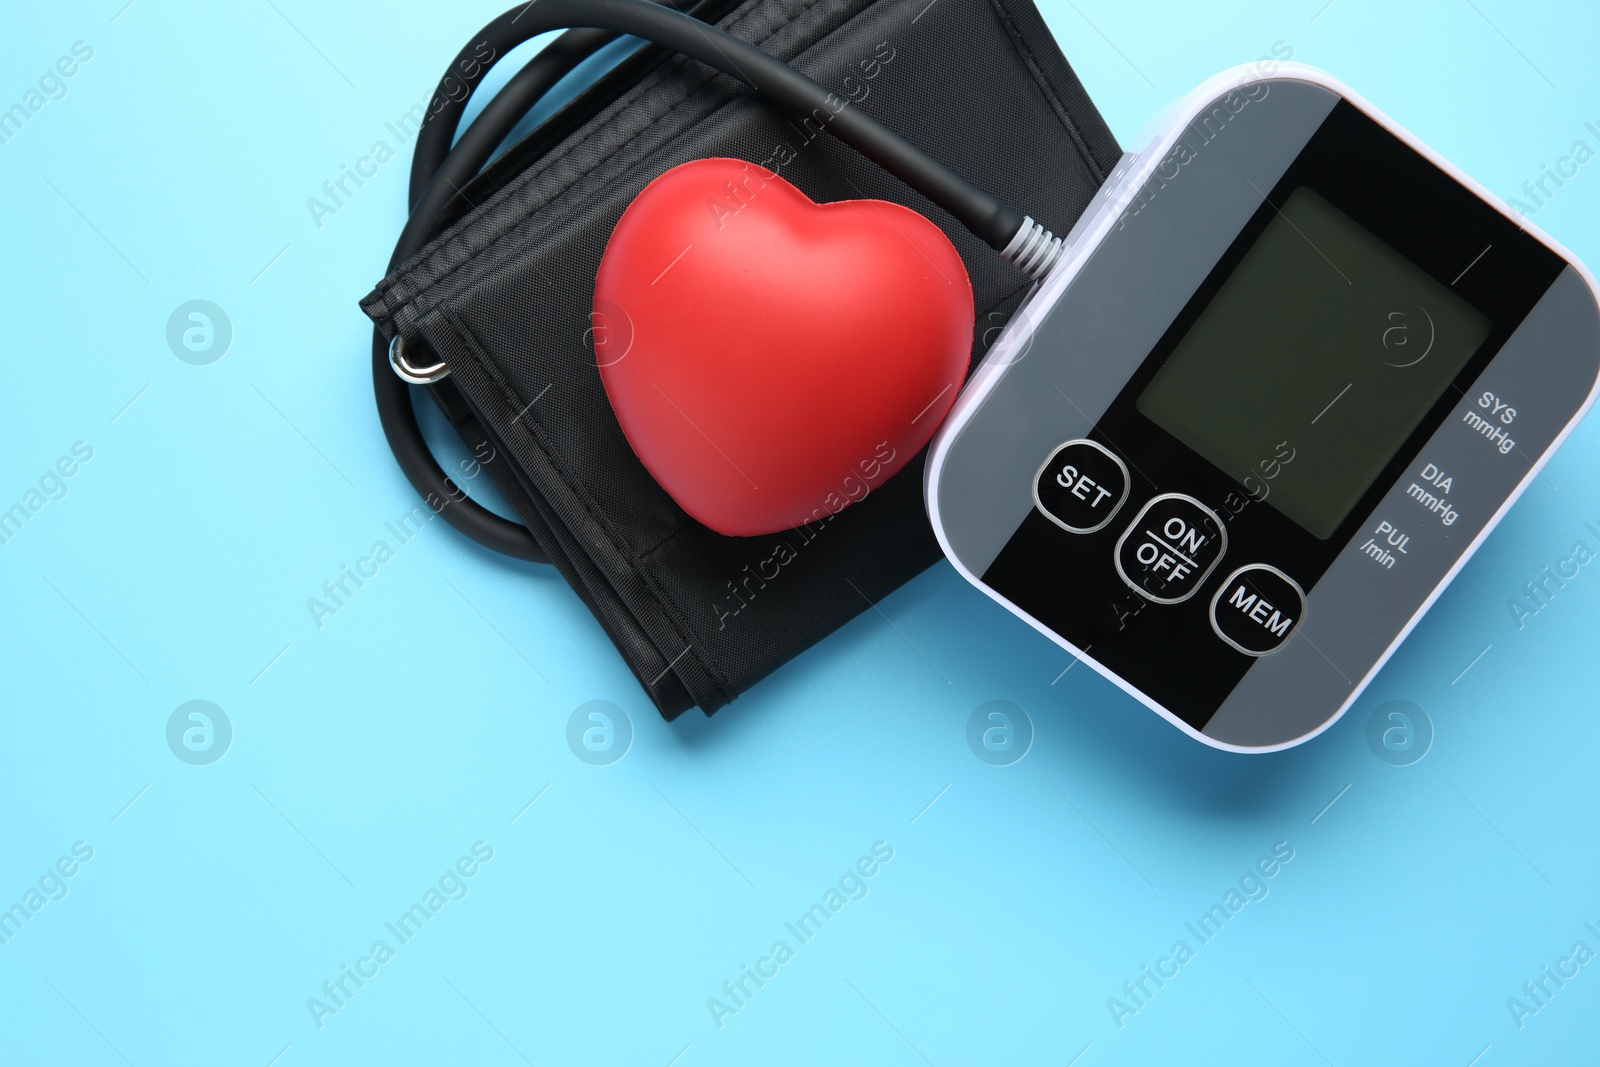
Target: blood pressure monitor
{"points": [[1290, 372]]}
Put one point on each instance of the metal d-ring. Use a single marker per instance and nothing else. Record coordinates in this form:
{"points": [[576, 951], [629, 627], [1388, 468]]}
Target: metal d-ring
{"points": [[415, 375]]}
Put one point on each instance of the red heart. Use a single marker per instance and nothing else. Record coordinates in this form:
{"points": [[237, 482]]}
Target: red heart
{"points": [[771, 359]]}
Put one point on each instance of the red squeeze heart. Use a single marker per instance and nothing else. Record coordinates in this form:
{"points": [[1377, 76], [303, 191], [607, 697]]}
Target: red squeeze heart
{"points": [[771, 359]]}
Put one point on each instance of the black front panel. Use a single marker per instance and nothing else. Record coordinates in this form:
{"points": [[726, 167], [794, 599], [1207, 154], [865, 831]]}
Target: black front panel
{"points": [[1199, 573]]}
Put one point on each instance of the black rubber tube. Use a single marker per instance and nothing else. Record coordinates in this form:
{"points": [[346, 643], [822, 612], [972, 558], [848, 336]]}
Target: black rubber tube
{"points": [[986, 215], [443, 171], [528, 86], [440, 170]]}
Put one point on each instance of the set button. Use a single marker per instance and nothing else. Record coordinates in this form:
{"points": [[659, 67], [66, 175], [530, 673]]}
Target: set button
{"points": [[1081, 486], [1257, 609], [1170, 548]]}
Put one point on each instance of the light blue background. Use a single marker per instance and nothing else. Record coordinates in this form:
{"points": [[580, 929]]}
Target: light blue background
{"points": [[369, 754]]}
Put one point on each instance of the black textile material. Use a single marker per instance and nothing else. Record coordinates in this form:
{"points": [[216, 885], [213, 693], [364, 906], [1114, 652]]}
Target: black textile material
{"points": [[504, 297]]}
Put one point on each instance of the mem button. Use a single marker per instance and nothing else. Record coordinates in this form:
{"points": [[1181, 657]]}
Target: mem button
{"points": [[1170, 549], [1257, 609], [1081, 486]]}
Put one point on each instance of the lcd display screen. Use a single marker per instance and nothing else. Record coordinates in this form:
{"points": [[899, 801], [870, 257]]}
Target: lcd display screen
{"points": [[1313, 363]]}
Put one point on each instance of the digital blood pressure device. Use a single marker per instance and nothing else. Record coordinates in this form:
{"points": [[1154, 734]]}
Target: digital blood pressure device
{"points": [[1290, 370]]}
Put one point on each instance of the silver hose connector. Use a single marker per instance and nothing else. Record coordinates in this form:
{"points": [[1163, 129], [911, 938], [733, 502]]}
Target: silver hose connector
{"points": [[1034, 250]]}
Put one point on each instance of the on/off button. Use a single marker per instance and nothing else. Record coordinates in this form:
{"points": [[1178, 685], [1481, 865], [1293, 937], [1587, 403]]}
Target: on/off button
{"points": [[1169, 550]]}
